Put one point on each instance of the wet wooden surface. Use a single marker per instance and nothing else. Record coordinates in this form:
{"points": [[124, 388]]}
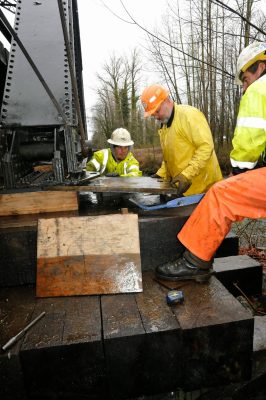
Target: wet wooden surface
{"points": [[124, 345], [88, 255], [158, 244], [31, 220], [123, 185], [37, 202]]}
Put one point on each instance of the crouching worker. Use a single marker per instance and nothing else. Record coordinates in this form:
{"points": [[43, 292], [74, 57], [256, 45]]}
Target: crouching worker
{"points": [[233, 199], [117, 160], [227, 201]]}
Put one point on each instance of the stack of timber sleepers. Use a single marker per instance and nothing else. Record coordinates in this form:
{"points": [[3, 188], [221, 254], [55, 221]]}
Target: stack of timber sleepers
{"points": [[125, 345]]}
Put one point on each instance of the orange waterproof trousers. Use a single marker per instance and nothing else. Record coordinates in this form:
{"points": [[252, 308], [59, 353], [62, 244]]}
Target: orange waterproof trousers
{"points": [[233, 199]]}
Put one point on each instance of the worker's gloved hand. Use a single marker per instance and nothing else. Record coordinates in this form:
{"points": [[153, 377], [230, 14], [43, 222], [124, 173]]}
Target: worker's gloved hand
{"points": [[182, 184], [112, 174]]}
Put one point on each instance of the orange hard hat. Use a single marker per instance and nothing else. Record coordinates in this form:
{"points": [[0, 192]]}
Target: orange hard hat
{"points": [[152, 97]]}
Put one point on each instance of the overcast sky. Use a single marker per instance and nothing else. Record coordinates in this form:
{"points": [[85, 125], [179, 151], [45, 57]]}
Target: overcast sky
{"points": [[104, 34]]}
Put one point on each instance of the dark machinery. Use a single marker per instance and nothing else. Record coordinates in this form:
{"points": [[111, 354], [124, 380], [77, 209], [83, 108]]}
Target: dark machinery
{"points": [[42, 112]]}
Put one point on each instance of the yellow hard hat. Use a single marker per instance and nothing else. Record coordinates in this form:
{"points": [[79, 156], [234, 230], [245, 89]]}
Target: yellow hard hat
{"points": [[249, 55], [152, 97], [120, 137]]}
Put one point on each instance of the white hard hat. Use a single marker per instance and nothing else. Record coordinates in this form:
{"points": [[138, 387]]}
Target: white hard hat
{"points": [[121, 137], [252, 53]]}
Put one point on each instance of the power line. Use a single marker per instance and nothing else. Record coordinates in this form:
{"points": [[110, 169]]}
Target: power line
{"points": [[170, 45], [237, 13]]}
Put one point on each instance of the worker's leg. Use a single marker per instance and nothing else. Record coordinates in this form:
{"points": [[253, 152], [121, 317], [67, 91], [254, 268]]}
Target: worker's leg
{"points": [[230, 200], [242, 196]]}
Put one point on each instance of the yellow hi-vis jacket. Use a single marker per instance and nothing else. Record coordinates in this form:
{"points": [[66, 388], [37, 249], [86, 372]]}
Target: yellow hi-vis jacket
{"points": [[188, 148], [249, 140], [104, 162]]}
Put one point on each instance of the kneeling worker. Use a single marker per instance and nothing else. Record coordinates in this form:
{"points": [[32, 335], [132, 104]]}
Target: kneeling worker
{"points": [[118, 160]]}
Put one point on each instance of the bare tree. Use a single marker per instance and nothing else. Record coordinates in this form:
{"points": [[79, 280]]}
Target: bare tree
{"points": [[195, 54], [202, 57], [118, 99]]}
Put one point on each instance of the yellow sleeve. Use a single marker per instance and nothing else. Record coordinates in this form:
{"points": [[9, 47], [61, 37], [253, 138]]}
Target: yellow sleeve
{"points": [[198, 131]]}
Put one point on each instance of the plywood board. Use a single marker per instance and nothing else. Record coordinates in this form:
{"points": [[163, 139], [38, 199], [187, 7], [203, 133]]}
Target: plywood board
{"points": [[88, 255], [37, 202]]}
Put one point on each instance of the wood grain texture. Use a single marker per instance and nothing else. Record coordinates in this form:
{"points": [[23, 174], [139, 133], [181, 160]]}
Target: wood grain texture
{"points": [[68, 340], [37, 202], [205, 311], [31, 220], [88, 255], [217, 334]]}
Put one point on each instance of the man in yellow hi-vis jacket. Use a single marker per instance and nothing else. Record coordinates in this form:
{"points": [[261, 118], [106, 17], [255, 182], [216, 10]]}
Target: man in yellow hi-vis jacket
{"points": [[249, 136], [189, 159], [117, 160], [235, 198]]}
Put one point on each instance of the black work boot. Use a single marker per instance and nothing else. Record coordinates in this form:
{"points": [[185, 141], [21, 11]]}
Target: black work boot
{"points": [[186, 267]]}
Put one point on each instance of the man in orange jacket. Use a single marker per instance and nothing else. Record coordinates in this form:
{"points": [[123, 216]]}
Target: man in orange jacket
{"points": [[233, 199]]}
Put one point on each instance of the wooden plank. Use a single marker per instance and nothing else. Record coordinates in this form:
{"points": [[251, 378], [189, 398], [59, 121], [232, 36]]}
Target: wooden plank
{"points": [[64, 353], [217, 336], [135, 343], [142, 342], [18, 248], [31, 220], [88, 255], [162, 352], [123, 342], [158, 241], [229, 246], [155, 314], [209, 299], [243, 270], [37, 202], [18, 256], [123, 185], [16, 309]]}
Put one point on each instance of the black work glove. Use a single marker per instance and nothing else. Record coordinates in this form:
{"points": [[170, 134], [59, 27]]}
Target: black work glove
{"points": [[182, 184], [112, 174]]}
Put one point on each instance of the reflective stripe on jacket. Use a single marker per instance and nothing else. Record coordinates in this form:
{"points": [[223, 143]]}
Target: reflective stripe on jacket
{"points": [[104, 162], [250, 133], [188, 148]]}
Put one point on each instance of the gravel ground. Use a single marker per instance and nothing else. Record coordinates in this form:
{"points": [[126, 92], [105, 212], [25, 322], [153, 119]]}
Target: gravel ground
{"points": [[251, 233]]}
